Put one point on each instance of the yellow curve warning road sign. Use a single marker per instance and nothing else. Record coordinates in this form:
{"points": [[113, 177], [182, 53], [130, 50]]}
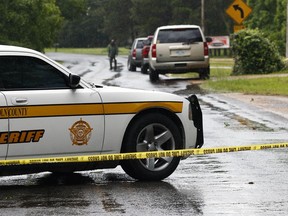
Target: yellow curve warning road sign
{"points": [[238, 11], [142, 155]]}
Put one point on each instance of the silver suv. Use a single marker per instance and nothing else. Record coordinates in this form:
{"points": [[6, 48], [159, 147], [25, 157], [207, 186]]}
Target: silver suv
{"points": [[179, 49], [135, 54]]}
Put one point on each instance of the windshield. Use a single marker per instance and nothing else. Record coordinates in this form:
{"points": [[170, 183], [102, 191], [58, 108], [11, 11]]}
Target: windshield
{"points": [[179, 35]]}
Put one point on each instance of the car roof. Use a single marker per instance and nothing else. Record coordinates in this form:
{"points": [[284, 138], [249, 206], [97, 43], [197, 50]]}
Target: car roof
{"points": [[178, 26], [8, 48], [141, 38]]}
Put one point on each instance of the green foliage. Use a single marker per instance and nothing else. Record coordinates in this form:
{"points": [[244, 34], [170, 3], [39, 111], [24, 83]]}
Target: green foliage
{"points": [[72, 9], [127, 19], [92, 23], [117, 20], [29, 23], [145, 19], [270, 17], [254, 54]]}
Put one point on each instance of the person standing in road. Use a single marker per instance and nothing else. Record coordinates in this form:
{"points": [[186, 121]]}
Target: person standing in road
{"points": [[112, 53]]}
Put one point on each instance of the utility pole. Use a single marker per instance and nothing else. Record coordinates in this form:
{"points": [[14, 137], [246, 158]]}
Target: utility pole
{"points": [[287, 29], [202, 17]]}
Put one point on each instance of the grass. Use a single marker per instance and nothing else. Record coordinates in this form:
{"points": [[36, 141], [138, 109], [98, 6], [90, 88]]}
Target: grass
{"points": [[222, 81], [263, 86], [221, 68], [90, 51], [222, 62]]}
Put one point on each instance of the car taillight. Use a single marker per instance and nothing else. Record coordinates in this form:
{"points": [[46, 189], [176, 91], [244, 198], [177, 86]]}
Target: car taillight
{"points": [[206, 49], [145, 51], [134, 53], [153, 50]]}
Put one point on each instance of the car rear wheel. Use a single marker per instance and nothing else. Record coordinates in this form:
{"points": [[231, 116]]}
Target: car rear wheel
{"points": [[153, 75], [152, 132], [204, 73], [144, 69]]}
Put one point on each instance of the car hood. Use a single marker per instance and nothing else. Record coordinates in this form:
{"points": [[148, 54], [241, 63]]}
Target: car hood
{"points": [[118, 94]]}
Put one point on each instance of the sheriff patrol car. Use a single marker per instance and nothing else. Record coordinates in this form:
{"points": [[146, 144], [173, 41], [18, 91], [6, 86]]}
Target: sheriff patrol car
{"points": [[48, 112]]}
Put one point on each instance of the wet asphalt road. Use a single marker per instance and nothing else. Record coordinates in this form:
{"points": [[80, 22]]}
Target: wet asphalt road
{"points": [[240, 183]]}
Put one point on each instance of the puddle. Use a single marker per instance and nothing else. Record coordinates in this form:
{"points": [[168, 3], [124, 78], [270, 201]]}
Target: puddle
{"points": [[252, 124], [191, 89]]}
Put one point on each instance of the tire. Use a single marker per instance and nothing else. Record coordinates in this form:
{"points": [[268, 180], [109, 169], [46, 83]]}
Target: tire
{"points": [[144, 69], [130, 66], [204, 73], [153, 75], [133, 68], [152, 132]]}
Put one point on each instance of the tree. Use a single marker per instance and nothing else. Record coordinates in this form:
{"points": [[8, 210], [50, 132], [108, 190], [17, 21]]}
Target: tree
{"points": [[270, 17], [117, 20], [84, 29], [148, 15], [186, 12], [72, 9], [29, 23], [217, 22], [126, 19]]}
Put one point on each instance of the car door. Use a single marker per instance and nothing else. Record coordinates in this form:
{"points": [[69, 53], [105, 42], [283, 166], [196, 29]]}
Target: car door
{"points": [[47, 117], [3, 127], [139, 47]]}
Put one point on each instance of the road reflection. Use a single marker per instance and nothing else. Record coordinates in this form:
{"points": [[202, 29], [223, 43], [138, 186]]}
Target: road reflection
{"points": [[95, 192]]}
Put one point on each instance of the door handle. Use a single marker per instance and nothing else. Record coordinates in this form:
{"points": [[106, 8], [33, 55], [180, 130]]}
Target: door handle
{"points": [[19, 101]]}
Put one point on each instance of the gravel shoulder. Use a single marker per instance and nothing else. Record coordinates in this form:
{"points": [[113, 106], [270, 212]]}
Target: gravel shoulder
{"points": [[274, 104]]}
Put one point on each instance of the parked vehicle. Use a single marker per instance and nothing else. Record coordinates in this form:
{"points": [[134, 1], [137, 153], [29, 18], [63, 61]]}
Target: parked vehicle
{"points": [[179, 49], [49, 114], [135, 54], [145, 52]]}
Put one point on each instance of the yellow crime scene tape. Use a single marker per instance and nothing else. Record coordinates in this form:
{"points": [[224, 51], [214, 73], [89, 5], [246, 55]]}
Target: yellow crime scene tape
{"points": [[142, 155]]}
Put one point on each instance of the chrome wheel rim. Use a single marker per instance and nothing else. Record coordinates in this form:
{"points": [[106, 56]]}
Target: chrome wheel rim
{"points": [[155, 137]]}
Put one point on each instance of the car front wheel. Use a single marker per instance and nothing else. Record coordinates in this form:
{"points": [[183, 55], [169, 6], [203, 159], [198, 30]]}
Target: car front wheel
{"points": [[130, 66], [152, 132]]}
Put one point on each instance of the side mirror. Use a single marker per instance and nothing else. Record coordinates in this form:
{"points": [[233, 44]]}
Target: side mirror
{"points": [[208, 39], [74, 80]]}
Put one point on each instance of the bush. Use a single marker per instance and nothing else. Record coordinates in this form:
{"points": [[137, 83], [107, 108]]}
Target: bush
{"points": [[254, 54]]}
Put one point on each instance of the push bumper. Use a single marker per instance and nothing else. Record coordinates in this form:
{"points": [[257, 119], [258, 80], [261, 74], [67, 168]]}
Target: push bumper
{"points": [[197, 119]]}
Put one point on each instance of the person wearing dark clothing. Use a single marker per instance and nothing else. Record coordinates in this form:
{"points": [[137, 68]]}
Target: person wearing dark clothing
{"points": [[112, 53]]}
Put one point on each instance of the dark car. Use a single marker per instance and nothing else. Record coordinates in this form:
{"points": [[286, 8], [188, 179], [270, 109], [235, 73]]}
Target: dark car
{"points": [[135, 54]]}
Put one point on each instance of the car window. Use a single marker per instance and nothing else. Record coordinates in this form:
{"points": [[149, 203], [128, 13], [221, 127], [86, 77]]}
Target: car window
{"points": [[179, 35], [22, 72], [139, 44], [147, 42]]}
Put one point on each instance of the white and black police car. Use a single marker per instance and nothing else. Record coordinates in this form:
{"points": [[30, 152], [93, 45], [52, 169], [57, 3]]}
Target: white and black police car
{"points": [[46, 111]]}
